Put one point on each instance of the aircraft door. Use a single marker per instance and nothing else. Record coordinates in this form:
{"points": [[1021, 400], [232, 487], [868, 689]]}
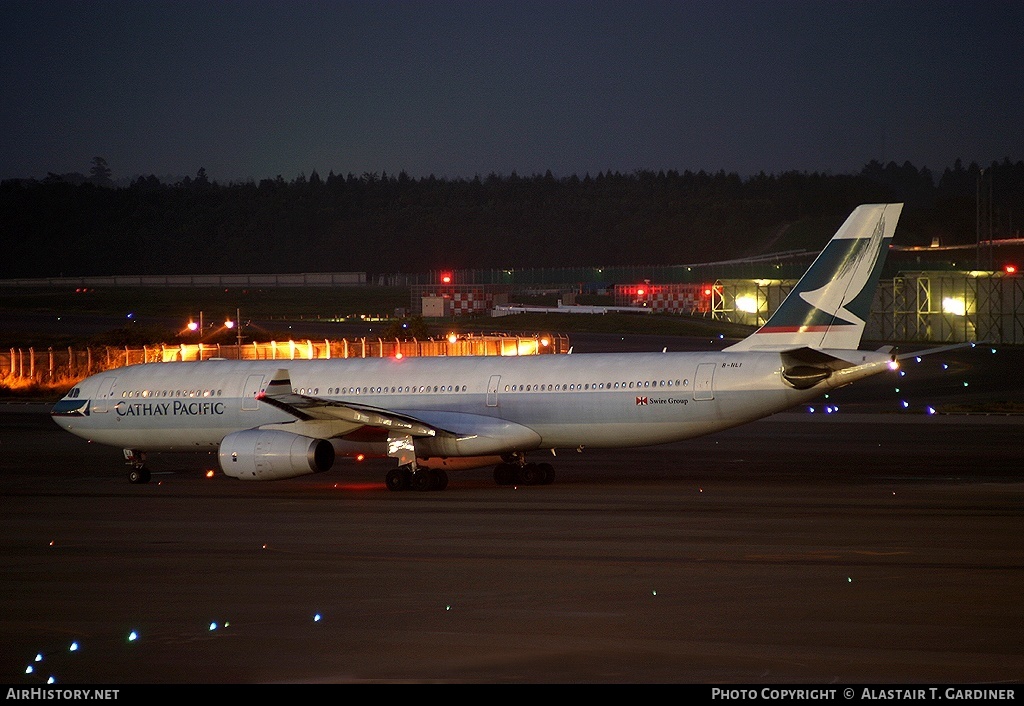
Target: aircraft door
{"points": [[103, 395], [253, 386], [703, 382], [492, 390]]}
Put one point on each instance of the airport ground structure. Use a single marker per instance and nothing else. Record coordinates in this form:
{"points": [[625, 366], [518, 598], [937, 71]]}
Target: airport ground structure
{"points": [[20, 366], [926, 295], [933, 306]]}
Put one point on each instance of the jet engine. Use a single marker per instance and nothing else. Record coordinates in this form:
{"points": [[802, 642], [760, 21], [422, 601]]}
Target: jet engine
{"points": [[256, 454]]}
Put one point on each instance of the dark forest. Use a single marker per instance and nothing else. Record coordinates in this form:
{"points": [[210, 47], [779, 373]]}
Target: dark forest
{"points": [[73, 225]]}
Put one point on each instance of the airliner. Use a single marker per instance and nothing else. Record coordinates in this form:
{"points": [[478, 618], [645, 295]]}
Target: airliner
{"points": [[272, 419]]}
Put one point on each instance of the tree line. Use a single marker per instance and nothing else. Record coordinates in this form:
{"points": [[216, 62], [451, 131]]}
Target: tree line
{"points": [[76, 225]]}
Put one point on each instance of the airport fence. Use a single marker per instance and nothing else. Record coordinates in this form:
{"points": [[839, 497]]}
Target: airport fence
{"points": [[24, 366]]}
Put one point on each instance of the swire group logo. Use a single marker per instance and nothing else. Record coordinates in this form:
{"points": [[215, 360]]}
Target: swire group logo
{"points": [[641, 400]]}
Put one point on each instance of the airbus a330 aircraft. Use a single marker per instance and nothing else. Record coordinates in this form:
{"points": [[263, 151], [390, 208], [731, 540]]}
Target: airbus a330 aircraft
{"points": [[270, 420]]}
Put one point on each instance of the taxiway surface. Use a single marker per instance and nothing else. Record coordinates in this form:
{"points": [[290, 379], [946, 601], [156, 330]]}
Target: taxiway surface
{"points": [[868, 546]]}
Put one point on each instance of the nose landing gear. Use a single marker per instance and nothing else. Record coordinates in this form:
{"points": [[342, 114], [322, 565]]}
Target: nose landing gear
{"points": [[137, 471]]}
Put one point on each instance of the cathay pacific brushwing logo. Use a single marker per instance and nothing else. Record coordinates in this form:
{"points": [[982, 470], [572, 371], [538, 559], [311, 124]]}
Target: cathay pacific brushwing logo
{"points": [[835, 291], [854, 272]]}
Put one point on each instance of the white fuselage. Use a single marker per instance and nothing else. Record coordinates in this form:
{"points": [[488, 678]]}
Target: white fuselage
{"points": [[592, 400]]}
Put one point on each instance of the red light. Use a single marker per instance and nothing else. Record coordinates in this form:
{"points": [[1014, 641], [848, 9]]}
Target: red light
{"points": [[707, 292], [1010, 269], [446, 278], [640, 292]]}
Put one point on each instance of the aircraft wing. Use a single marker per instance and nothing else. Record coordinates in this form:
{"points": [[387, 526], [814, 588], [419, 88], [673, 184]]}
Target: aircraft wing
{"points": [[307, 408], [451, 432]]}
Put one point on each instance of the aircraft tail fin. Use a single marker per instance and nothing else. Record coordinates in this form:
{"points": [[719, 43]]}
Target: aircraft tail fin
{"points": [[830, 305]]}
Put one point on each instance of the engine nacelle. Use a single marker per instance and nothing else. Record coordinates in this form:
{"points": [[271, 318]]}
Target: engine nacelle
{"points": [[255, 454]]}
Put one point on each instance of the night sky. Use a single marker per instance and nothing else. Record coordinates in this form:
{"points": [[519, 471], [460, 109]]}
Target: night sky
{"points": [[253, 90]]}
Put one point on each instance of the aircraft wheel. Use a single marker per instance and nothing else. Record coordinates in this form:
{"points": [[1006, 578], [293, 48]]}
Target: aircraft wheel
{"points": [[530, 474], [504, 474], [547, 473], [440, 479], [138, 475], [423, 480], [397, 479]]}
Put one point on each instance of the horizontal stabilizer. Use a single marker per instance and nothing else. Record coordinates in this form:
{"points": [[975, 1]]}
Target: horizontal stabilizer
{"points": [[933, 351]]}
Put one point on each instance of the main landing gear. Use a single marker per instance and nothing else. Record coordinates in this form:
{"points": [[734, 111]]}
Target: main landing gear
{"points": [[405, 478], [524, 474], [137, 471], [512, 472]]}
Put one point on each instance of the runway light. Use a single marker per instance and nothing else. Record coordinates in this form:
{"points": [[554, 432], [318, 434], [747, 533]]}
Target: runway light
{"points": [[213, 626], [905, 404], [29, 669], [39, 656], [51, 680], [73, 647], [133, 636], [931, 410], [965, 383], [316, 618]]}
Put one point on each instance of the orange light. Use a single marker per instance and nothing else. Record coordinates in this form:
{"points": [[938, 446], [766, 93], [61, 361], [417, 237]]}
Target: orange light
{"points": [[193, 326], [452, 338], [398, 355], [209, 474], [360, 457]]}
